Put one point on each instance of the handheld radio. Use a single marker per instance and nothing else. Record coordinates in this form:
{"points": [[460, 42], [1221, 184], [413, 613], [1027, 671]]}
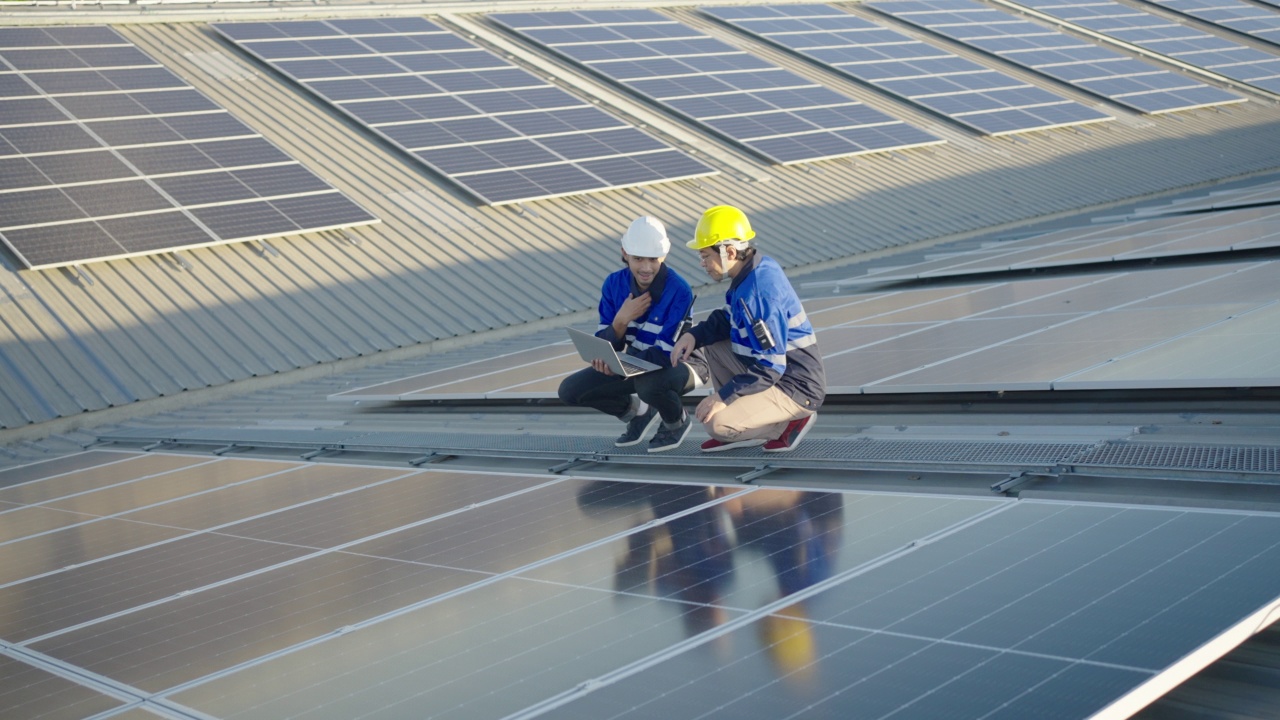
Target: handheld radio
{"points": [[758, 328]]}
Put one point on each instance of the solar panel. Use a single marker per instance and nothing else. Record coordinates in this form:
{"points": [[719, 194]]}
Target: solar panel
{"points": [[1189, 234], [1133, 83], [106, 154], [978, 97], [1242, 17], [994, 336], [753, 102], [1100, 611], [502, 134], [1169, 38]]}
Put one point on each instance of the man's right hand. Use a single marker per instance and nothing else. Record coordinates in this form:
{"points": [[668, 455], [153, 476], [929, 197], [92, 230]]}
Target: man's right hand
{"points": [[632, 309], [683, 348]]}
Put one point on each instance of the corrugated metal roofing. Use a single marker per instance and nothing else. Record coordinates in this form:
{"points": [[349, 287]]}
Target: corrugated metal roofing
{"points": [[440, 267]]}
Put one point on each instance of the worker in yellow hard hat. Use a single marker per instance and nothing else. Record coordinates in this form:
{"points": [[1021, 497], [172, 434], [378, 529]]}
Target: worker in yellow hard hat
{"points": [[763, 354], [642, 307]]}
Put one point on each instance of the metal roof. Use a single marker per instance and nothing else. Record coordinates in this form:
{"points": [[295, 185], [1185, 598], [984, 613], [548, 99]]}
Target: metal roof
{"points": [[440, 267]]}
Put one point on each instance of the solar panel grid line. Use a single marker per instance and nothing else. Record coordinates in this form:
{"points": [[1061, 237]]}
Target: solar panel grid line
{"points": [[1145, 33], [1176, 339], [506, 177], [1164, 91], [302, 554], [298, 501], [622, 673], [78, 676], [1244, 18], [914, 61], [32, 242], [692, 95], [665, 517]]}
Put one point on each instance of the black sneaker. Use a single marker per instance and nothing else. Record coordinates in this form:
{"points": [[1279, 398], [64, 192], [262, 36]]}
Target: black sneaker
{"points": [[639, 428], [668, 438]]}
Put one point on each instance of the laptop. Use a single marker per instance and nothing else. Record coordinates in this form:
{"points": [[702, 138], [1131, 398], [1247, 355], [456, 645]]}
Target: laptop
{"points": [[591, 348]]}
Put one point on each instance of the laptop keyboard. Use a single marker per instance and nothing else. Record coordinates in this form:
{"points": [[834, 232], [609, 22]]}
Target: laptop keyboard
{"points": [[631, 367]]}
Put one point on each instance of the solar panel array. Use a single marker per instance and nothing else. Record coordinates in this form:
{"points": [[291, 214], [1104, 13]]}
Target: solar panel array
{"points": [[1139, 239], [380, 593], [501, 133], [768, 109], [1152, 328], [1169, 38], [105, 154], [1262, 23], [976, 96], [1119, 78]]}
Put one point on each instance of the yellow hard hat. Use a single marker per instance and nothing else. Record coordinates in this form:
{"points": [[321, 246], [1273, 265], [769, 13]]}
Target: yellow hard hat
{"points": [[721, 223]]}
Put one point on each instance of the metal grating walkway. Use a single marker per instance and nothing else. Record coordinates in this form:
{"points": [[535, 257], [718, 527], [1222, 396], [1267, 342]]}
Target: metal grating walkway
{"points": [[852, 453], [1183, 457]]}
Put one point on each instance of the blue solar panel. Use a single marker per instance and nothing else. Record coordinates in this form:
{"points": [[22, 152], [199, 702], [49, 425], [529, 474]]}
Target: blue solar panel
{"points": [[104, 153], [1169, 38], [1119, 78], [1242, 17], [976, 96], [492, 128], [770, 110]]}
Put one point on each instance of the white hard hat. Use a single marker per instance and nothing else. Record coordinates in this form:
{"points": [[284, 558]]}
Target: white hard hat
{"points": [[646, 238]]}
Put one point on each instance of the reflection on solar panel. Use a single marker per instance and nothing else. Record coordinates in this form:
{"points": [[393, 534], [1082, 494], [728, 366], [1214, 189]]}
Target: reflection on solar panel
{"points": [[996, 636], [997, 336], [974, 95], [772, 111], [1169, 38], [1122, 79], [1239, 16], [362, 591], [105, 154], [501, 133], [1225, 231]]}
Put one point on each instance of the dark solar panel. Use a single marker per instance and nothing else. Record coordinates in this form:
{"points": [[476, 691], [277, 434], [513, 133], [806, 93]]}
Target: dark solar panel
{"points": [[1158, 34], [469, 114], [1260, 22], [94, 135], [1119, 78], [971, 94], [739, 96]]}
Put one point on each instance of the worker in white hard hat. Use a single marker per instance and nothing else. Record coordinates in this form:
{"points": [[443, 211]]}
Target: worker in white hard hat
{"points": [[642, 308], [761, 349]]}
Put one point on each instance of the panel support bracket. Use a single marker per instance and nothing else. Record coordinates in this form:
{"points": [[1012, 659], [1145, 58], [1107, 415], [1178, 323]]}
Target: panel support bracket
{"points": [[319, 452], [759, 472], [576, 462], [430, 458]]}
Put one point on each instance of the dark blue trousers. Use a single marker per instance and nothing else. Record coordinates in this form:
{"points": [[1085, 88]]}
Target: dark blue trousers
{"points": [[611, 394]]}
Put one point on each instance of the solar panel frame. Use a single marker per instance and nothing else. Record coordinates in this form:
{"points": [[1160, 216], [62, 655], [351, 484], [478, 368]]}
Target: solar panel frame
{"points": [[1136, 84], [1172, 39], [978, 97], [77, 103], [689, 72], [424, 89]]}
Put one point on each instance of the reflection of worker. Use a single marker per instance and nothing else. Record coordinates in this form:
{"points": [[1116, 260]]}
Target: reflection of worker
{"points": [[687, 558], [799, 533], [762, 351], [641, 309], [791, 648]]}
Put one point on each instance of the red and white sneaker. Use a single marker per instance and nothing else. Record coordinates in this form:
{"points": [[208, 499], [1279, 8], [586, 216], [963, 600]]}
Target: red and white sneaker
{"points": [[714, 445], [791, 435]]}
